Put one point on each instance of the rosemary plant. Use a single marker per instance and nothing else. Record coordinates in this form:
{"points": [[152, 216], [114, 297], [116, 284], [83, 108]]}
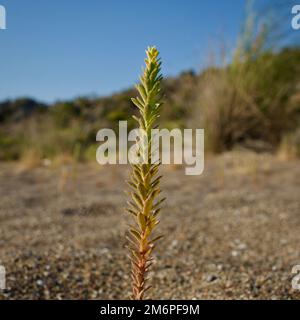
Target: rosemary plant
{"points": [[144, 205]]}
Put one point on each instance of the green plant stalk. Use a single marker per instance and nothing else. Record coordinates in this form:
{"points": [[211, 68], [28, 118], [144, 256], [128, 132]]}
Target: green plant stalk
{"points": [[144, 181]]}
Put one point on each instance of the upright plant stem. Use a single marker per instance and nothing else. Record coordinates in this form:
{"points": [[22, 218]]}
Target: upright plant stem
{"points": [[144, 182]]}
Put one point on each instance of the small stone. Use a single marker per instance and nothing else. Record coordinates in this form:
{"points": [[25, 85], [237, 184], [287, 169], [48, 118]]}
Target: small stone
{"points": [[211, 278], [40, 282], [234, 253], [242, 246]]}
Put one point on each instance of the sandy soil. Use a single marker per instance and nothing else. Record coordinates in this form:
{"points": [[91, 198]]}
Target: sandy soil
{"points": [[232, 233]]}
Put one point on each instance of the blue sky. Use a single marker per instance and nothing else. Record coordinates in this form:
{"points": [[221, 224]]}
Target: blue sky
{"points": [[61, 49]]}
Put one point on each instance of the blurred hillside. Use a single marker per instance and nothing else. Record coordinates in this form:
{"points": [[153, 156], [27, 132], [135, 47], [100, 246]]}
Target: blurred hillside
{"points": [[49, 130], [252, 102]]}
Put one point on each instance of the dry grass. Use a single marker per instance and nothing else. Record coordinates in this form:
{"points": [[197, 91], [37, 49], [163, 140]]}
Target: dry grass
{"points": [[30, 160]]}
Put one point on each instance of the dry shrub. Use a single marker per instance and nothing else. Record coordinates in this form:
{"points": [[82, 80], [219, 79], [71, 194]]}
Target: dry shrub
{"points": [[249, 100], [289, 148], [30, 159], [63, 159], [67, 165], [251, 96]]}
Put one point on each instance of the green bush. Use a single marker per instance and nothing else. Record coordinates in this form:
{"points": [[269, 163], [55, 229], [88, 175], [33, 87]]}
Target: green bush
{"points": [[64, 113], [10, 148]]}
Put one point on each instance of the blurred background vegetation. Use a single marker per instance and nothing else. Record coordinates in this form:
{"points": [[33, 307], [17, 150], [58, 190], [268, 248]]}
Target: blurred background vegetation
{"points": [[249, 97]]}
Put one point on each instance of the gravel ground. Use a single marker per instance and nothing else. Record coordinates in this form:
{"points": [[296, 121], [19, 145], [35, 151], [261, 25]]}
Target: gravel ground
{"points": [[231, 233]]}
